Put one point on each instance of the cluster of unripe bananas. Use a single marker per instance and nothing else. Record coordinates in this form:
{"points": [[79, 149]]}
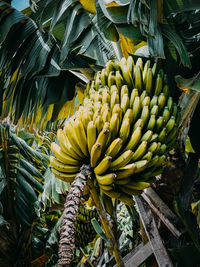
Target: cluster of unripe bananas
{"points": [[84, 230], [123, 129]]}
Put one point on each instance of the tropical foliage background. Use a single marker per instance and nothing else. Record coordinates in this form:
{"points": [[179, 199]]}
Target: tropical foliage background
{"points": [[48, 52]]}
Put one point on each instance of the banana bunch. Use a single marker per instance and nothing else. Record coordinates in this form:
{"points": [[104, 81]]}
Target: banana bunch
{"points": [[124, 128], [84, 230]]}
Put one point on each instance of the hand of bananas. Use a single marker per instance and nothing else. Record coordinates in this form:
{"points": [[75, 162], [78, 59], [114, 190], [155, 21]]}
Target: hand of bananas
{"points": [[84, 230], [123, 129]]}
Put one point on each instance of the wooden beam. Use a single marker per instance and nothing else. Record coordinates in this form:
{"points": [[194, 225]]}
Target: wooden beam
{"points": [[153, 235], [171, 221]]}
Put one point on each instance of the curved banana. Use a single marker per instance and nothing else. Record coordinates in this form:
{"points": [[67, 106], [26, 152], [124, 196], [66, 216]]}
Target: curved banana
{"points": [[106, 179], [124, 130], [149, 81], [126, 171], [124, 103], [95, 154], [136, 108], [91, 135], [114, 125], [122, 160], [138, 78], [134, 93], [140, 151], [81, 136], [134, 139], [126, 199], [114, 148], [66, 168], [67, 177], [103, 166]]}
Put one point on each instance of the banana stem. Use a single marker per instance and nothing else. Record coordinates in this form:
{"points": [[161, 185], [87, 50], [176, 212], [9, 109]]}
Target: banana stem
{"points": [[105, 223]]}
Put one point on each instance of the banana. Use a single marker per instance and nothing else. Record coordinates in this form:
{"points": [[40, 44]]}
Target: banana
{"points": [[145, 114], [158, 148], [66, 146], [114, 125], [141, 165], [154, 138], [67, 177], [158, 85], [111, 79], [102, 138], [96, 114], [174, 110], [114, 88], [124, 130], [166, 114], [140, 151], [122, 160], [148, 156], [106, 115], [144, 74], [105, 106], [123, 62], [114, 148], [104, 77], [162, 135], [161, 161], [119, 80], [91, 135], [127, 76], [69, 131], [128, 115], [106, 179], [103, 165], [154, 110], [125, 171], [161, 101], [152, 122], [86, 118], [147, 136], [171, 135], [153, 161], [124, 90], [125, 103], [111, 193], [129, 191], [138, 185], [138, 123], [149, 81], [81, 136], [106, 188], [153, 146], [154, 101], [170, 124], [139, 63], [162, 150], [143, 95], [126, 199], [138, 79], [117, 109], [123, 181], [95, 154], [66, 168], [99, 123], [108, 204], [105, 97], [110, 66], [136, 108], [170, 103], [166, 90], [114, 99], [146, 101], [134, 139], [134, 93], [130, 64], [159, 124]]}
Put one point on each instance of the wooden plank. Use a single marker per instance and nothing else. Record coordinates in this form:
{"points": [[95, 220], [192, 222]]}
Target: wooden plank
{"points": [[171, 221], [138, 255], [153, 235]]}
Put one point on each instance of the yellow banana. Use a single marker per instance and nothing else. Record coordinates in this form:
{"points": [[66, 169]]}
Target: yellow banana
{"points": [[114, 125], [124, 130], [119, 80], [170, 103], [122, 181], [67, 177], [145, 114], [138, 79], [111, 193], [127, 76], [134, 93], [161, 101], [171, 135], [137, 185], [125, 103], [111, 79], [139, 63], [153, 161], [147, 136], [158, 85], [108, 204], [134, 139], [140, 151], [114, 148], [62, 156], [148, 156], [106, 115], [163, 149], [154, 110], [105, 97], [66, 146], [113, 89], [117, 109], [66, 168], [145, 70], [128, 115], [106, 188], [166, 114], [174, 110], [106, 179], [110, 66], [98, 80], [143, 95], [114, 99], [162, 135], [91, 135], [124, 90], [170, 124], [99, 123], [146, 101], [103, 165], [126, 171], [130, 64], [122, 160], [81, 136], [159, 124], [104, 77], [95, 154], [126, 199], [154, 101], [153, 146], [141, 165], [136, 108], [154, 138], [152, 122], [103, 137], [149, 81]]}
